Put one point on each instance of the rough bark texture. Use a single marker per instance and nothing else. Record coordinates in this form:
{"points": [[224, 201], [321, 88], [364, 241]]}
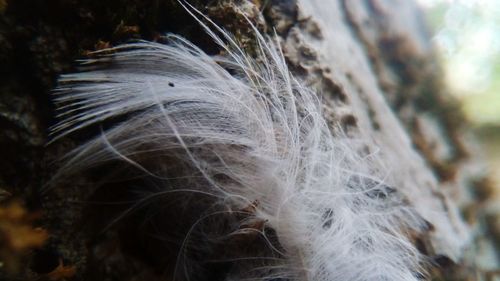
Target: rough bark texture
{"points": [[371, 61]]}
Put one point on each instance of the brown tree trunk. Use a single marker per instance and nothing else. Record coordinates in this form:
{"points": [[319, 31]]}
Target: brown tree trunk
{"points": [[371, 61]]}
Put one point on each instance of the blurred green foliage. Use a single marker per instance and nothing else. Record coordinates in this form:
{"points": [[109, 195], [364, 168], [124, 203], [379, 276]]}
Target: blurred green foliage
{"points": [[467, 34]]}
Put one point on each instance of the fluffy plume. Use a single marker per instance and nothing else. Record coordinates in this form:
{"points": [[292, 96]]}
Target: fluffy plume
{"points": [[243, 132]]}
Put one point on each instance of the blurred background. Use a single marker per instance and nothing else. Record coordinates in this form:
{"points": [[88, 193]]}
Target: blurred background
{"points": [[467, 36]]}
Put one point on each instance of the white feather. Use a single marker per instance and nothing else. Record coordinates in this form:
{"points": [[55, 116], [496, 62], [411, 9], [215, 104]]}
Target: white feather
{"points": [[250, 132]]}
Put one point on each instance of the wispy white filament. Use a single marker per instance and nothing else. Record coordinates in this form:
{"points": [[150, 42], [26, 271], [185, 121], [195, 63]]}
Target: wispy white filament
{"points": [[251, 133]]}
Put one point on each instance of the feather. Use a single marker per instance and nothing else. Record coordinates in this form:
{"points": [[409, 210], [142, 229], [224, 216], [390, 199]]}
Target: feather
{"points": [[243, 131]]}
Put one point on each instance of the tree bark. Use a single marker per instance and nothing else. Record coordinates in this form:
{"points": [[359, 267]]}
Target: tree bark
{"points": [[371, 61]]}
